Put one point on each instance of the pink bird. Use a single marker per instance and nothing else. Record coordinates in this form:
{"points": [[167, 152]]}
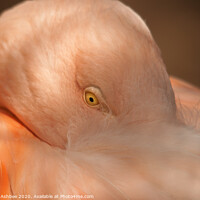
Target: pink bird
{"points": [[87, 109]]}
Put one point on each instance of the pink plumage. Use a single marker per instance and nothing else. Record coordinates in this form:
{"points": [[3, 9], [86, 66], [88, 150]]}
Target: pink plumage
{"points": [[87, 107]]}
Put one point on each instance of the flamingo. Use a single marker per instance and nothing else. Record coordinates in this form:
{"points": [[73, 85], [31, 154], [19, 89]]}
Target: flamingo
{"points": [[88, 110]]}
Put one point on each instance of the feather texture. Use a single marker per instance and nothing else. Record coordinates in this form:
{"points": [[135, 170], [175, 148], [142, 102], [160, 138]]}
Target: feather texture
{"points": [[51, 142]]}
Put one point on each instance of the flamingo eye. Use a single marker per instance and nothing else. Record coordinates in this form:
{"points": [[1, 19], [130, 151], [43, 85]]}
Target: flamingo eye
{"points": [[91, 99], [94, 98]]}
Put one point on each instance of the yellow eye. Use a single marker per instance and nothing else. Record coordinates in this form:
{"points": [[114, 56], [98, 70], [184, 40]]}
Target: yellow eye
{"points": [[91, 99]]}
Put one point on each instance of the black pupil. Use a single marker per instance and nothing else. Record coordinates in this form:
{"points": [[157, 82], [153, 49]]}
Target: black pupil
{"points": [[91, 99]]}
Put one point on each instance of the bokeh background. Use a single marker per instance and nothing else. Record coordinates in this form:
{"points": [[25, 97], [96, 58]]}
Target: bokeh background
{"points": [[175, 25]]}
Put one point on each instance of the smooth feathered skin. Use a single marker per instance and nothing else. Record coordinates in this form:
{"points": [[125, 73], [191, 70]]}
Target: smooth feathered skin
{"points": [[144, 148]]}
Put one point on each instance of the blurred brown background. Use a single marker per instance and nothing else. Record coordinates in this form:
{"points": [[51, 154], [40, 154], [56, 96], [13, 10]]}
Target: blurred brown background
{"points": [[175, 25]]}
